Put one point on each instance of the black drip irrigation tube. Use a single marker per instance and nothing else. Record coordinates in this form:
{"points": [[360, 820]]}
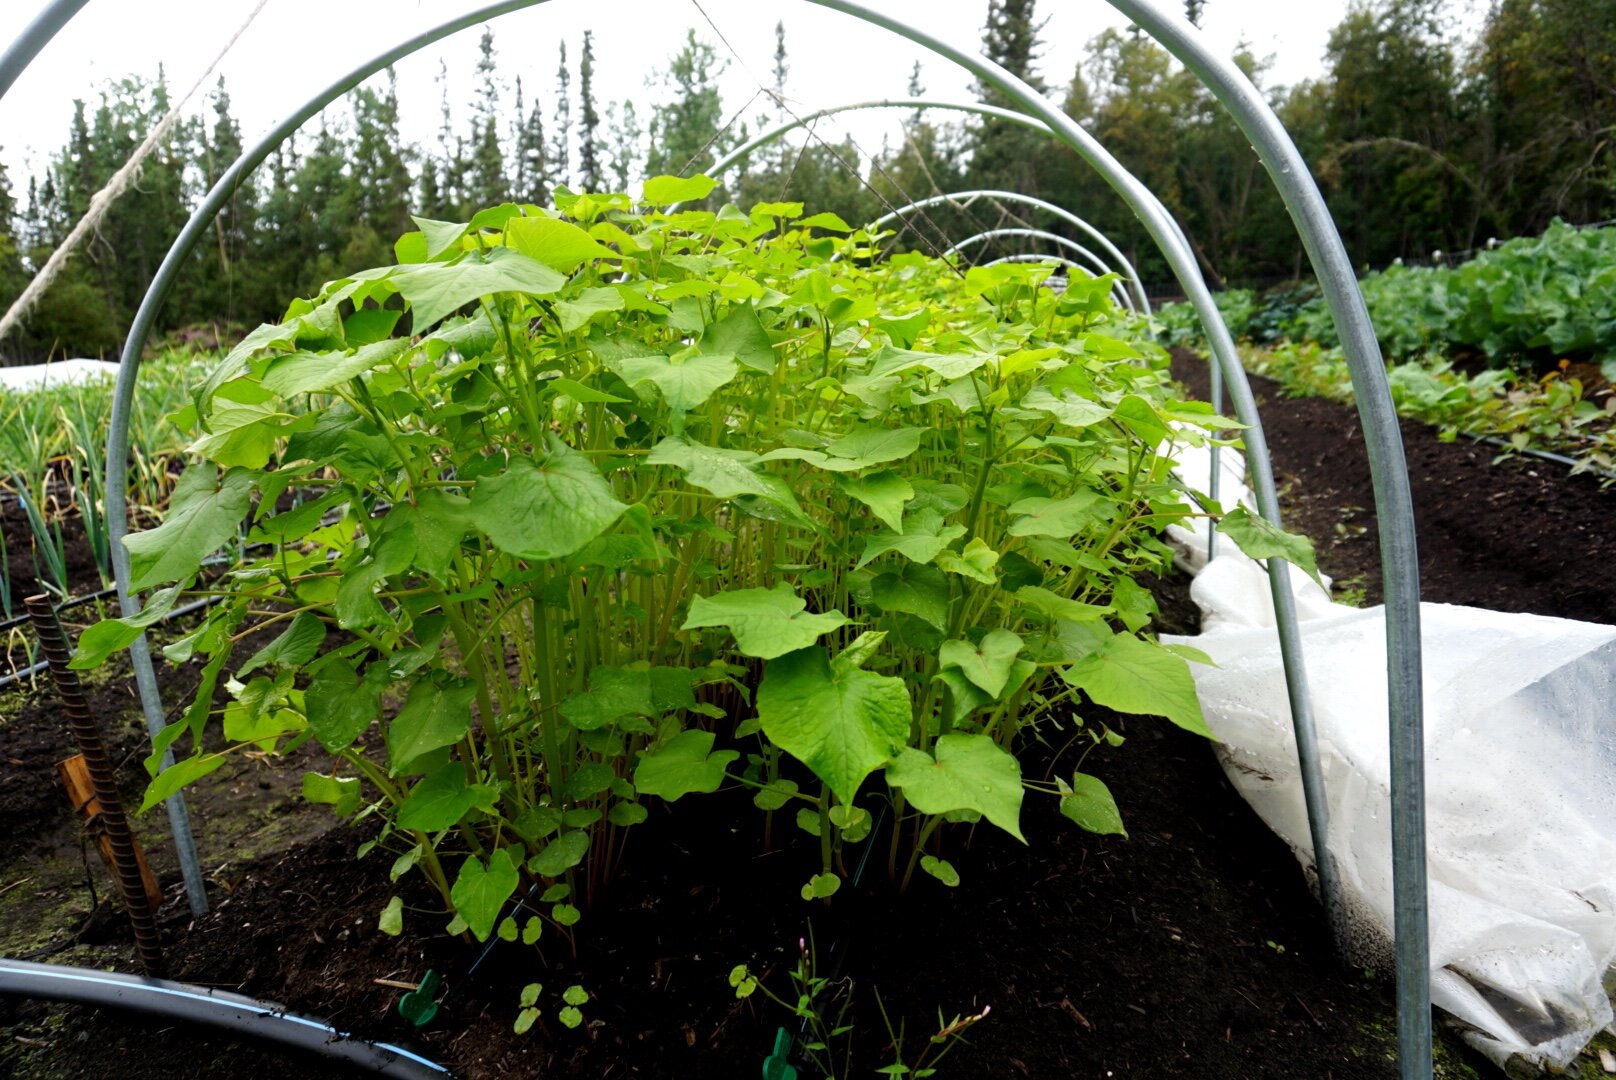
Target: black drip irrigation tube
{"points": [[1546, 455], [215, 1008]]}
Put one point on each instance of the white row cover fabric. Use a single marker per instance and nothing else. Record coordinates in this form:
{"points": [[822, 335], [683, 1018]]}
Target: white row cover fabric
{"points": [[1520, 737], [62, 373]]}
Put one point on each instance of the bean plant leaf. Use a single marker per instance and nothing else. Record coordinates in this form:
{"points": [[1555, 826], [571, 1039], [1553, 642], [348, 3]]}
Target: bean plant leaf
{"points": [[1065, 406], [1134, 676], [1088, 802], [560, 854], [310, 372], [391, 920], [884, 492], [767, 623], [842, 722], [872, 444], [547, 509], [740, 334], [433, 717], [976, 561], [341, 793], [575, 313], [987, 663], [684, 764], [1053, 517], [110, 635], [923, 538], [1262, 539], [205, 511], [341, 705], [941, 869], [667, 190], [558, 244], [964, 772], [442, 798], [436, 290], [295, 646], [480, 890], [685, 381]]}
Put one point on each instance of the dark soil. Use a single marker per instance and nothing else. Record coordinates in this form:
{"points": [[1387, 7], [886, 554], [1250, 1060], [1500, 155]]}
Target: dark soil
{"points": [[1192, 948], [1512, 535]]}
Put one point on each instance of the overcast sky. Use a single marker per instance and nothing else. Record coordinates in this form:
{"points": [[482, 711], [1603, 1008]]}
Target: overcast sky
{"points": [[296, 47]]}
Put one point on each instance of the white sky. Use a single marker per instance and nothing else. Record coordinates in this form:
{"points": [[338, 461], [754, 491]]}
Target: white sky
{"points": [[296, 47]]}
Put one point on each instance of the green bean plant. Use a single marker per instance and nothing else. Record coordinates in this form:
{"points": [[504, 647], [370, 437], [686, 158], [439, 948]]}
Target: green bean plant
{"points": [[608, 506]]}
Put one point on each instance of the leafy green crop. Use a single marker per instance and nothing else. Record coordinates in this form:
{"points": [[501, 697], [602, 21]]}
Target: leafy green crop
{"points": [[611, 507]]}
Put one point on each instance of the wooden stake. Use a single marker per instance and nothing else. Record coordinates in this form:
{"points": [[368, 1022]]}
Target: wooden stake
{"points": [[75, 776]]}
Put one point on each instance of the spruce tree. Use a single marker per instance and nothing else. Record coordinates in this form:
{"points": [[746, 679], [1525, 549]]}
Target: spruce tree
{"points": [[532, 168], [485, 169], [1005, 155], [685, 130], [623, 123], [560, 160], [589, 155]]}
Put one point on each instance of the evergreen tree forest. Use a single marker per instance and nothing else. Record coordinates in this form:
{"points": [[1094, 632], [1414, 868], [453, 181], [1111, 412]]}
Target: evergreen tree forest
{"points": [[1422, 139]]}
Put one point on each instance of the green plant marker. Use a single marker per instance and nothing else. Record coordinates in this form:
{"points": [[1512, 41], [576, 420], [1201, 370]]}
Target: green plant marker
{"points": [[420, 1005], [777, 1065]]}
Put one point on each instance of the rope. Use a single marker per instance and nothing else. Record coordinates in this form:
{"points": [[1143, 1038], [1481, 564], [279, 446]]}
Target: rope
{"points": [[101, 202]]}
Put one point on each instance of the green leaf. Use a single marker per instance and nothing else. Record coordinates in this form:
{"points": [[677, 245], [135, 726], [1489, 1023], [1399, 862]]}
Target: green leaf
{"points": [[986, 664], [1134, 676], [1064, 405], [1262, 539], [975, 562], [442, 798], [915, 590], [391, 920], [480, 891], [968, 772], [667, 190], [434, 716], [740, 334], [545, 510], [577, 312], [824, 220], [558, 244], [295, 646], [1088, 802], [923, 538], [341, 793], [725, 473], [840, 721], [820, 886], [570, 1016], [884, 492], [341, 705], [685, 381], [310, 372], [177, 775], [439, 520], [436, 290], [872, 444], [110, 635], [615, 693], [1144, 421], [438, 236], [941, 869], [560, 854], [205, 511], [1054, 606], [684, 764], [767, 623], [1054, 517]]}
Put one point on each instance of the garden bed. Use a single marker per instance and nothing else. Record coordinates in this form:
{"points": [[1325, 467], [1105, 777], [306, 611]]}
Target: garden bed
{"points": [[1191, 948]]}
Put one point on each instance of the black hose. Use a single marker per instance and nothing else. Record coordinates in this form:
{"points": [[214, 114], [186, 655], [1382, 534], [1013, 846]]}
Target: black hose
{"points": [[216, 1008], [1546, 455]]}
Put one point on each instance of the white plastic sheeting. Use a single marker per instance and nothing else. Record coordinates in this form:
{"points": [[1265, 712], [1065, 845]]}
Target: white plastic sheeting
{"points": [[61, 373], [1520, 715]]}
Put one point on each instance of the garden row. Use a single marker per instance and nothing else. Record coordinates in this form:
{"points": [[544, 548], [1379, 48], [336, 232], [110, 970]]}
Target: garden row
{"points": [[605, 510], [1517, 344]]}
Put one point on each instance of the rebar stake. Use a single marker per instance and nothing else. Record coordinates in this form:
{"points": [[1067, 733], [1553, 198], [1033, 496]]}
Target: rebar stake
{"points": [[120, 838]]}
